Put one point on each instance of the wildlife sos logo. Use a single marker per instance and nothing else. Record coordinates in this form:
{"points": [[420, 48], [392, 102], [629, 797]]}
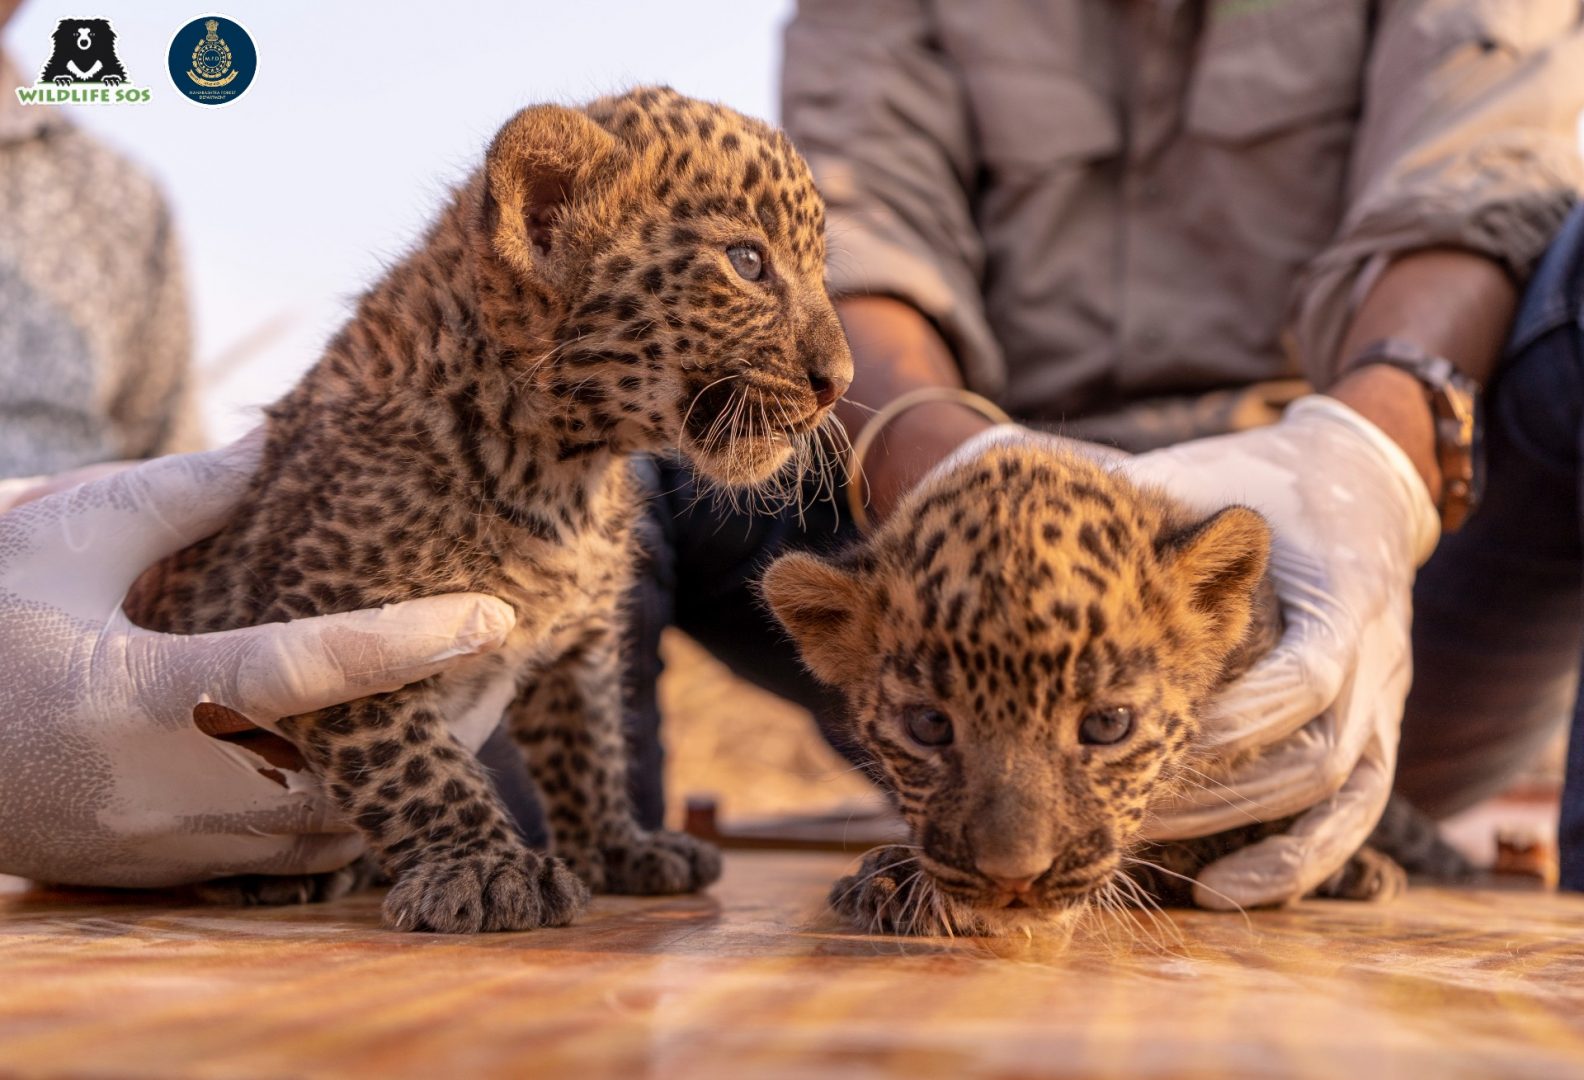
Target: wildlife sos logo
{"points": [[213, 60], [83, 69]]}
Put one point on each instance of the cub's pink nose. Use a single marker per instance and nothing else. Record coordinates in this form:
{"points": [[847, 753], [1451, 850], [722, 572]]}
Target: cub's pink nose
{"points": [[826, 389], [1019, 885]]}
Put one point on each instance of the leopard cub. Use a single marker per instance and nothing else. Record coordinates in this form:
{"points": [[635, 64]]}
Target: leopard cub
{"points": [[642, 274], [1025, 647]]}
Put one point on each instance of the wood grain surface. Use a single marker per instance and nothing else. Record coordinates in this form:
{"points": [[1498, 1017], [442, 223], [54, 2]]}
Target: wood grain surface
{"points": [[754, 979]]}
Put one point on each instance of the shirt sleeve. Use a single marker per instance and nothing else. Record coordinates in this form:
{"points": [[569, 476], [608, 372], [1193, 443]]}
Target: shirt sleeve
{"points": [[1469, 139], [883, 120]]}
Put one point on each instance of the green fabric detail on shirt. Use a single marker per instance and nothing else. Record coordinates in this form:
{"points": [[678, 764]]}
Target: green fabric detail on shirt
{"points": [[1231, 9]]}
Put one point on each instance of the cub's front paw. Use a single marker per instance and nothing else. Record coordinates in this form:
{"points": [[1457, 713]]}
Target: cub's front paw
{"points": [[1369, 876], [587, 864], [519, 891], [885, 895], [660, 863]]}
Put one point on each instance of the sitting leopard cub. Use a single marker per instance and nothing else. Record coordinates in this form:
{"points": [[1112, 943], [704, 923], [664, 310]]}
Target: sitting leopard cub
{"points": [[1025, 647], [643, 273]]}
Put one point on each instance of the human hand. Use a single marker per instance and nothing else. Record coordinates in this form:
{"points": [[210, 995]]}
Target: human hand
{"points": [[104, 779], [24, 489], [1316, 721]]}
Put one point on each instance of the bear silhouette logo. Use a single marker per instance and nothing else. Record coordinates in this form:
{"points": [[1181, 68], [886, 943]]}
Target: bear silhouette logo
{"points": [[84, 52]]}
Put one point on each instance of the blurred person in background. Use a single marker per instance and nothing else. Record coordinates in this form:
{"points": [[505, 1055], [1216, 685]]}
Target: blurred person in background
{"points": [[95, 339]]}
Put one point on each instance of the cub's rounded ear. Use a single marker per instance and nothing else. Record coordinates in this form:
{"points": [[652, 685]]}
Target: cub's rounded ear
{"points": [[544, 159], [1221, 562], [826, 610]]}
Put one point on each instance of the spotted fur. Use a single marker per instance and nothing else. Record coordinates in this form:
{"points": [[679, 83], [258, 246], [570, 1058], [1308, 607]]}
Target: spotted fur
{"points": [[471, 428], [1015, 595]]}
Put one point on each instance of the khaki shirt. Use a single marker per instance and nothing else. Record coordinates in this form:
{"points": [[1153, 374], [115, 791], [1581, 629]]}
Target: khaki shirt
{"points": [[1099, 201]]}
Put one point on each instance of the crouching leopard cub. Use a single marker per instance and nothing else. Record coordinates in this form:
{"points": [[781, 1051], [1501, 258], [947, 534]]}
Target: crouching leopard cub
{"points": [[639, 274], [1025, 647]]}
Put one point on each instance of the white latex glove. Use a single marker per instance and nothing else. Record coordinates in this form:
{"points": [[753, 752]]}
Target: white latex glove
{"points": [[25, 489], [1352, 522], [104, 780]]}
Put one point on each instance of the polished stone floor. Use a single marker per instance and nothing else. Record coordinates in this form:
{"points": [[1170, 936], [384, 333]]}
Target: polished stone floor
{"points": [[755, 979]]}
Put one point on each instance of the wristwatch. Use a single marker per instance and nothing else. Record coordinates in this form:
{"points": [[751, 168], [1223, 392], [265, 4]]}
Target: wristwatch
{"points": [[1459, 423]]}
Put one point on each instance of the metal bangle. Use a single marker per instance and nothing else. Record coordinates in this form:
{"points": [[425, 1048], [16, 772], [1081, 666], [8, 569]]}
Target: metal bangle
{"points": [[924, 395]]}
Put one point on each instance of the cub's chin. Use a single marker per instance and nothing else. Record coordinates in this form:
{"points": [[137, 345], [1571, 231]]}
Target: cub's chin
{"points": [[747, 461], [1052, 923]]}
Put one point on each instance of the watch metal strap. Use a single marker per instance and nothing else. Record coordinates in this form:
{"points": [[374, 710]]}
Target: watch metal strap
{"points": [[1453, 399]]}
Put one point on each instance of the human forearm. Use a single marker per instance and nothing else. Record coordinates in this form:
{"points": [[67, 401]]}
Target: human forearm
{"points": [[895, 350], [1451, 303]]}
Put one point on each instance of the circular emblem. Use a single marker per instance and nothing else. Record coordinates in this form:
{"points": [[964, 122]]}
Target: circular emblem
{"points": [[212, 60]]}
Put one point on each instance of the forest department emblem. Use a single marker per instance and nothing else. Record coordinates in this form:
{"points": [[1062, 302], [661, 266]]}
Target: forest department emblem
{"points": [[211, 60]]}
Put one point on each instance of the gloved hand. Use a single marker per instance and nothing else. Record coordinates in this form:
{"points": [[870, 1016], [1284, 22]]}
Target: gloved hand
{"points": [[25, 489], [1352, 522], [104, 779]]}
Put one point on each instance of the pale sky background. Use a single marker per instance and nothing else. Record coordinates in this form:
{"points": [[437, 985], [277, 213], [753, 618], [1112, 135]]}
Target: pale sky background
{"points": [[361, 116]]}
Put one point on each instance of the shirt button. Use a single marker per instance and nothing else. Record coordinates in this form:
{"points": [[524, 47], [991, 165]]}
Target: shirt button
{"points": [[1151, 338]]}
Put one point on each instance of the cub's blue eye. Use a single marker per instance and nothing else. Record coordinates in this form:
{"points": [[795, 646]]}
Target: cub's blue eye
{"points": [[927, 727], [1106, 727], [747, 261]]}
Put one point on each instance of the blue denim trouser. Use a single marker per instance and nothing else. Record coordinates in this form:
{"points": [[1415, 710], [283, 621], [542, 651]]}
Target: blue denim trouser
{"points": [[1537, 409], [1497, 609]]}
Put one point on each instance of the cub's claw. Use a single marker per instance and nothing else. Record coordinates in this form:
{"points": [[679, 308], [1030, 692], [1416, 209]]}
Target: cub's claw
{"points": [[487, 893]]}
